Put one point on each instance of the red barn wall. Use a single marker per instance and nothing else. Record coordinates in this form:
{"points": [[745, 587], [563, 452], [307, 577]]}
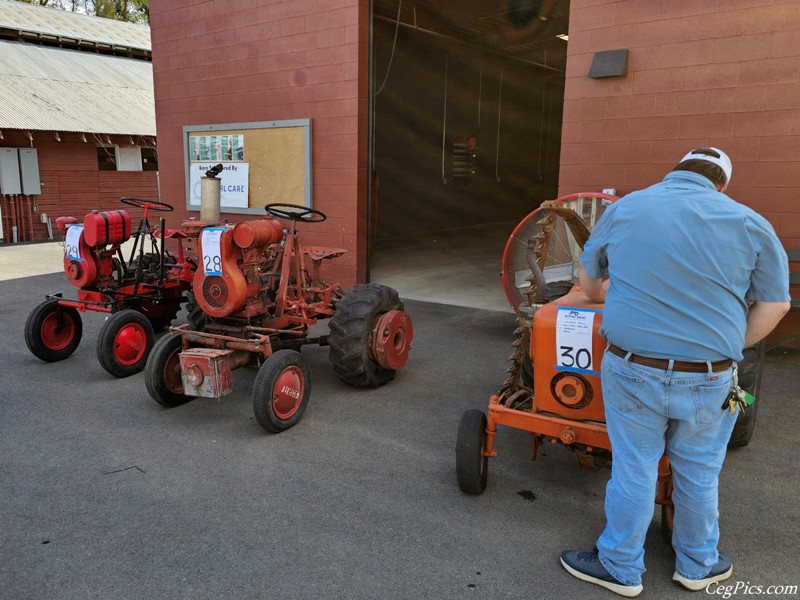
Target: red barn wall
{"points": [[253, 60], [72, 184], [724, 74]]}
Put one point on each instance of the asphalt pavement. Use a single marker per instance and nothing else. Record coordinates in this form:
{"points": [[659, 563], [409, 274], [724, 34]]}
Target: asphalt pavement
{"points": [[106, 494]]}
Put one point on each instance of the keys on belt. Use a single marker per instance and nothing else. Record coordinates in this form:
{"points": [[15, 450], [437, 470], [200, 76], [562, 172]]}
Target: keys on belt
{"points": [[736, 397]]}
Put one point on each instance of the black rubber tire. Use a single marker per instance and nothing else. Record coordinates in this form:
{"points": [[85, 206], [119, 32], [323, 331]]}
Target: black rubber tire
{"points": [[351, 327], [122, 330], [42, 323], [555, 290], [162, 372], [472, 467], [751, 369], [264, 390]]}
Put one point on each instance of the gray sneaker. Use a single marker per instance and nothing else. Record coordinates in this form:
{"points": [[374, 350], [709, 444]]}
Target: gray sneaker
{"points": [[586, 566], [719, 572]]}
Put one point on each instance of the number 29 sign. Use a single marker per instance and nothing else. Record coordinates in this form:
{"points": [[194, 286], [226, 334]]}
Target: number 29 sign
{"points": [[574, 329]]}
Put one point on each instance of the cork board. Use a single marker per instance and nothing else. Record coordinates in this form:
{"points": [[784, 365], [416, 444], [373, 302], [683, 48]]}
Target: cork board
{"points": [[263, 163]]}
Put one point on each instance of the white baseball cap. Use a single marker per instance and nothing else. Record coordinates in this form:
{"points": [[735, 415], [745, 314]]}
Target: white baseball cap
{"points": [[723, 162]]}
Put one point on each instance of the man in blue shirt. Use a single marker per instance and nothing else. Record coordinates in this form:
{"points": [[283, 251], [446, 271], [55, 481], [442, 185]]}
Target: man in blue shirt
{"points": [[693, 278]]}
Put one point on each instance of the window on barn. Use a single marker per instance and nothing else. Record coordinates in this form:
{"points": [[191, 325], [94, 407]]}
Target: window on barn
{"points": [[106, 158], [126, 158], [149, 159]]}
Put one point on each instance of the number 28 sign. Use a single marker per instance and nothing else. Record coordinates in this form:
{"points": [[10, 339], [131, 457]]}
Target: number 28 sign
{"points": [[212, 255], [574, 329]]}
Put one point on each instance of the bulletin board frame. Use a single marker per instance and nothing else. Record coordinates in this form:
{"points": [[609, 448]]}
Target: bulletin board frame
{"points": [[277, 155]]}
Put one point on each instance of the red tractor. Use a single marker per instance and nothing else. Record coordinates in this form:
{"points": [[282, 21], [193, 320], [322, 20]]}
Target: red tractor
{"points": [[259, 292], [552, 389], [141, 293]]}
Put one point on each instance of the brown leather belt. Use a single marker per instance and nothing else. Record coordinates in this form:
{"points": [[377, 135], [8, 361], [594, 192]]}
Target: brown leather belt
{"points": [[678, 365]]}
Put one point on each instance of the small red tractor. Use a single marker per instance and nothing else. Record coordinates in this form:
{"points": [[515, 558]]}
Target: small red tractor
{"points": [[259, 292], [552, 389], [141, 293]]}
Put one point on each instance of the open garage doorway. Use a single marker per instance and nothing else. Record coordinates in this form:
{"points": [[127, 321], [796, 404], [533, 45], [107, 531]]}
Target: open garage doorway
{"points": [[465, 120]]}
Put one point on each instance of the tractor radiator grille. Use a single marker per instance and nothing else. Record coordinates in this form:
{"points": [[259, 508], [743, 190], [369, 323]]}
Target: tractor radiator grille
{"points": [[215, 292]]}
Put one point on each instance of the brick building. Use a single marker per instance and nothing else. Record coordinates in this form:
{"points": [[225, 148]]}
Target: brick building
{"points": [[395, 91]]}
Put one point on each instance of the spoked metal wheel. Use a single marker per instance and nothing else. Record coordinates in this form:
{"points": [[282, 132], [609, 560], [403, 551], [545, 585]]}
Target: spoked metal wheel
{"points": [[281, 391], [124, 343], [53, 332], [162, 372], [472, 467]]}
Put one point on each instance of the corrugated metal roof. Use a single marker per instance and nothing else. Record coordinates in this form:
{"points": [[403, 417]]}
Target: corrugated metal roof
{"points": [[61, 23], [52, 89]]}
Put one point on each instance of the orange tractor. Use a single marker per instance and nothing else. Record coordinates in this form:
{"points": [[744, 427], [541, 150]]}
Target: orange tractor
{"points": [[141, 294], [257, 294], [553, 386]]}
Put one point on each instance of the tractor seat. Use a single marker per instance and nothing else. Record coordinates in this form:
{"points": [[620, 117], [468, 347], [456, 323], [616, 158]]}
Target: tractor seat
{"points": [[320, 252]]}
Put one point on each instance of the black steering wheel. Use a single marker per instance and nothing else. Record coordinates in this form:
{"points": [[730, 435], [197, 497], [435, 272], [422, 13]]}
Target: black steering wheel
{"points": [[298, 213], [147, 204]]}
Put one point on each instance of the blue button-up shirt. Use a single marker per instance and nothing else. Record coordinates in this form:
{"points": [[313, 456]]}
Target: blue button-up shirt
{"points": [[684, 261]]}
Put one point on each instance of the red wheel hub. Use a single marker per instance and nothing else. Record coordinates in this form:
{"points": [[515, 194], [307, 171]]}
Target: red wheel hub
{"points": [[287, 395], [55, 336], [130, 344], [391, 340]]}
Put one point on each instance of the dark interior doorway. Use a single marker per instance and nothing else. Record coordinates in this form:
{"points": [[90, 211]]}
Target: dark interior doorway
{"points": [[466, 132]]}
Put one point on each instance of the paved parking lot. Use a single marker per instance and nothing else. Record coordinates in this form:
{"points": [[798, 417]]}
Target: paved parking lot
{"points": [[105, 494]]}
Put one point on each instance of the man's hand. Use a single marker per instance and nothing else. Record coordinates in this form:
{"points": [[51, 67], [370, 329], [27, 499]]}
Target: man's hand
{"points": [[595, 289]]}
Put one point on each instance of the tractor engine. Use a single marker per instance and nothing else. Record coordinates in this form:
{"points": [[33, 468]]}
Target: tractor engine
{"points": [[240, 268], [567, 350], [87, 259]]}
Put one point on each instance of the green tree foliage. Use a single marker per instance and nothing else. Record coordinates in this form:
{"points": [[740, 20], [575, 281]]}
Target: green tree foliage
{"points": [[134, 11]]}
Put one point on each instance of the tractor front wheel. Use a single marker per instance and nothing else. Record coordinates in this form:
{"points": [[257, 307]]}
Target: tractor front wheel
{"points": [[162, 372], [124, 343], [281, 391], [472, 467], [370, 336], [53, 332]]}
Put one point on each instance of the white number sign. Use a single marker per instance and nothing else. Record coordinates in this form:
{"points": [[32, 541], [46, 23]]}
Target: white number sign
{"points": [[574, 329], [212, 255], [72, 242]]}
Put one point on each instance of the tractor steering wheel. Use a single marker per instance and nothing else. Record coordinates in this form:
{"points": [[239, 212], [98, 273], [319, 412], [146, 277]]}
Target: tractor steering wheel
{"points": [[299, 213], [147, 204]]}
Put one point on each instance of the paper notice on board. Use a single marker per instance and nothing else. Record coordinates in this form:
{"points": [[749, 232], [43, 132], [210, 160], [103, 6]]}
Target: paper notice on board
{"points": [[574, 329]]}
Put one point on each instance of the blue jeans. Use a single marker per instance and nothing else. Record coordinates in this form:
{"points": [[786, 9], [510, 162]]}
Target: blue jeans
{"points": [[648, 411]]}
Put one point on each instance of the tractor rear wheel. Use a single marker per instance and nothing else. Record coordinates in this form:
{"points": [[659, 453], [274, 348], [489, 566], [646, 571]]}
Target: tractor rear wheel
{"points": [[751, 368], [281, 391], [472, 467], [357, 313], [124, 343], [162, 372], [53, 332]]}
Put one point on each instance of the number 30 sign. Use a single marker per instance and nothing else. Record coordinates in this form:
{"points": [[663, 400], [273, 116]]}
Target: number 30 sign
{"points": [[574, 329]]}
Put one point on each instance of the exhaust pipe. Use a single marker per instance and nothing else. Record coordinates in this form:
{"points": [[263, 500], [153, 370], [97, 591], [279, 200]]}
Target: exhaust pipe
{"points": [[210, 195]]}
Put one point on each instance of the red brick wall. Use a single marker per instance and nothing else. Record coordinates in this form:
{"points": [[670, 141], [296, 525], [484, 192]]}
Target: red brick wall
{"points": [[215, 61], [72, 185], [724, 74]]}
